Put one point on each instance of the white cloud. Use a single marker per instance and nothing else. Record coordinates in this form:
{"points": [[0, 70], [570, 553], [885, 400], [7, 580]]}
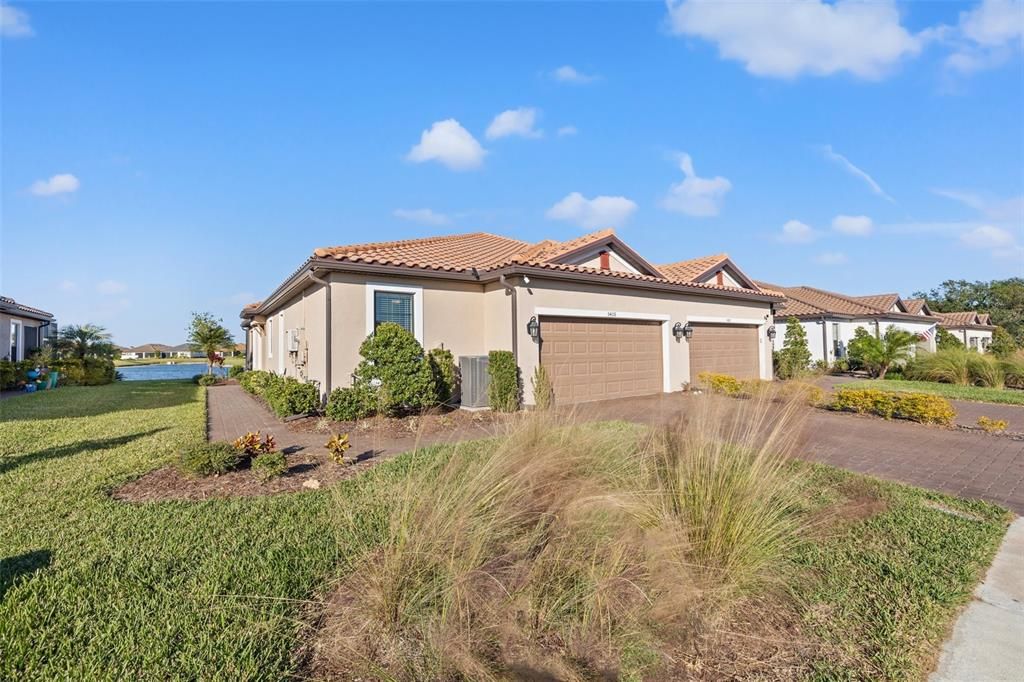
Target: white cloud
{"points": [[846, 164], [1011, 209], [111, 286], [565, 131], [601, 211], [514, 122], [425, 216], [787, 39], [987, 35], [696, 196], [14, 23], [830, 258], [567, 74], [448, 143], [856, 225], [68, 286], [61, 183], [987, 237], [796, 232]]}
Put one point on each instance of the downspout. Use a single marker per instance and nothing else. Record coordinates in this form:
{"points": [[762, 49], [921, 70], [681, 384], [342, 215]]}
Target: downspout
{"points": [[515, 318], [328, 323], [824, 340]]}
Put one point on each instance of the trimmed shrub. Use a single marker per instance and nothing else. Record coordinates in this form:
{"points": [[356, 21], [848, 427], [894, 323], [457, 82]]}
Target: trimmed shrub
{"points": [[918, 407], [256, 381], [87, 372], [204, 379], [209, 459], [235, 371], [12, 374], [795, 356], [395, 367], [269, 465], [442, 367], [802, 391], [992, 425], [503, 390], [351, 403], [287, 396], [543, 391], [720, 383]]}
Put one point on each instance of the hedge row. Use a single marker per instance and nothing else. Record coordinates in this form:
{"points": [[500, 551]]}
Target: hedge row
{"points": [[918, 407], [73, 372], [285, 395]]}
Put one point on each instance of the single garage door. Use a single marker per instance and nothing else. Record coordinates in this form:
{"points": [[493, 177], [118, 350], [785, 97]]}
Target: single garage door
{"points": [[595, 359], [724, 348]]}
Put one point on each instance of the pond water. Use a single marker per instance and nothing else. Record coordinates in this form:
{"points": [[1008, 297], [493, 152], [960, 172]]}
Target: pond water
{"points": [[179, 371]]}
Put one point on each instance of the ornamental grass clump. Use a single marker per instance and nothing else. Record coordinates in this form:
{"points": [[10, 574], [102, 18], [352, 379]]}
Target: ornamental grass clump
{"points": [[562, 549]]}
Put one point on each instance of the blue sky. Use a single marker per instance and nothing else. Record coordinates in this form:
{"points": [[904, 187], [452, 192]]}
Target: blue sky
{"points": [[159, 158]]}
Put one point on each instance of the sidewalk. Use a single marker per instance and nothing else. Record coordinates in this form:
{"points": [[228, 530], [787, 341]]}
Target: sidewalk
{"points": [[988, 639]]}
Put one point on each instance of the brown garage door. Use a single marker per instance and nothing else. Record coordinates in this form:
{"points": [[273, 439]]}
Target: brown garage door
{"points": [[594, 359], [724, 348]]}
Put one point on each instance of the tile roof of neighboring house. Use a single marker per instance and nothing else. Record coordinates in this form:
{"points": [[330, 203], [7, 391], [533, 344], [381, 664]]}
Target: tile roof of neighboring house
{"points": [[884, 302], [688, 270], [149, 348], [181, 347], [965, 318], [914, 305], [802, 301], [483, 251], [8, 304]]}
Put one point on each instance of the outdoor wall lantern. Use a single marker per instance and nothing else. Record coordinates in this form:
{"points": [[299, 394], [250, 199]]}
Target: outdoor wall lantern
{"points": [[679, 331], [533, 328], [771, 333]]}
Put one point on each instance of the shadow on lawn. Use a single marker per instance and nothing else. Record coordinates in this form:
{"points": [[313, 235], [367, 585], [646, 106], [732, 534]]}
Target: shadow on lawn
{"points": [[91, 401], [16, 567], [11, 462]]}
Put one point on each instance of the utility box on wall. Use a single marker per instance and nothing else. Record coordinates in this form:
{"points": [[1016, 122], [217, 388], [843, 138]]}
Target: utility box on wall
{"points": [[475, 381]]}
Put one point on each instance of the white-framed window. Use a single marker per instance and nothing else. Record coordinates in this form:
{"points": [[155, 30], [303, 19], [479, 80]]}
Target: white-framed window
{"points": [[397, 303]]}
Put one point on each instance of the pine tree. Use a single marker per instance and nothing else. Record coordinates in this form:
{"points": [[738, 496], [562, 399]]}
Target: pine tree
{"points": [[795, 356]]}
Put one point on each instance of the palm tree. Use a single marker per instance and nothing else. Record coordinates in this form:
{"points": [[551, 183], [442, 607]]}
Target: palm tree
{"points": [[208, 335], [85, 341], [880, 354]]}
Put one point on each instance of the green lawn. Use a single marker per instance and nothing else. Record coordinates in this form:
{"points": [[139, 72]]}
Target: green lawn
{"points": [[92, 588], [974, 393]]}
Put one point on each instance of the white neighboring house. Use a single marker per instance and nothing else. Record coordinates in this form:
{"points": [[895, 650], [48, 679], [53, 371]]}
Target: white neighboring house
{"points": [[971, 328], [184, 350], [146, 350], [831, 319]]}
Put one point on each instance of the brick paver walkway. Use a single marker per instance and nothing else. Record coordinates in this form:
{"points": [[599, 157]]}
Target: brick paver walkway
{"points": [[970, 464]]}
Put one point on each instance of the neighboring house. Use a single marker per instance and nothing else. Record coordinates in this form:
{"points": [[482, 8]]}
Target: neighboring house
{"points": [[971, 328], [831, 319], [23, 329], [146, 350], [184, 350], [601, 319]]}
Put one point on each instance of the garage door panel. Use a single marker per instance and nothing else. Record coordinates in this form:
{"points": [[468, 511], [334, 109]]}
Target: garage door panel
{"points": [[605, 358], [725, 349]]}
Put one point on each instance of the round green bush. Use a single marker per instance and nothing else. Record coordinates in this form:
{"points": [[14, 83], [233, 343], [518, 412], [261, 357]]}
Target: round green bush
{"points": [[235, 371], [442, 366], [288, 396], [204, 379], [209, 459], [269, 465], [395, 366], [350, 403], [504, 389]]}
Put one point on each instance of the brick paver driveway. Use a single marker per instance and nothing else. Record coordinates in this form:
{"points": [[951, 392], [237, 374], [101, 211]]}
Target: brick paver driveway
{"points": [[965, 463]]}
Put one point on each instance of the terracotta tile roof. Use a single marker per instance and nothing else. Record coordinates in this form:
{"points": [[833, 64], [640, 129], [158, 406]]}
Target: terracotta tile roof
{"points": [[965, 318], [483, 251], [881, 301], [149, 348], [914, 305], [810, 301], [8, 303], [458, 252], [687, 270]]}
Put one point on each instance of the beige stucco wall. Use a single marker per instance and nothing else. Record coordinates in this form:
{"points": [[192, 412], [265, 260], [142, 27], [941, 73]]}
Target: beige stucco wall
{"points": [[5, 334], [471, 319]]}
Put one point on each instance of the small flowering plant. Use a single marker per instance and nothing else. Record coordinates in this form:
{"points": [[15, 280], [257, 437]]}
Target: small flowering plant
{"points": [[338, 445]]}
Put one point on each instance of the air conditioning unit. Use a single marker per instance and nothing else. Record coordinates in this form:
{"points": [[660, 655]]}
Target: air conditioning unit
{"points": [[292, 340], [475, 381]]}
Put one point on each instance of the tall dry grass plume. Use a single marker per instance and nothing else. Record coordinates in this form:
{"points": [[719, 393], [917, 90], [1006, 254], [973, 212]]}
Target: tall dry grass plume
{"points": [[569, 550]]}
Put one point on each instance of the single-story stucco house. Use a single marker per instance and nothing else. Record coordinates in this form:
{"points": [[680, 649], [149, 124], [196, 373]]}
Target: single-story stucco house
{"points": [[23, 329], [971, 328], [184, 350], [831, 319], [604, 321], [146, 350]]}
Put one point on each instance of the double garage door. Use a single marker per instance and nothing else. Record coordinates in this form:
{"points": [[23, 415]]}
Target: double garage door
{"points": [[597, 358]]}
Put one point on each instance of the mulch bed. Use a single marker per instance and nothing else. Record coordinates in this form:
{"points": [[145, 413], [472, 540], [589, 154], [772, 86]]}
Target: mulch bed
{"points": [[306, 471], [429, 423]]}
